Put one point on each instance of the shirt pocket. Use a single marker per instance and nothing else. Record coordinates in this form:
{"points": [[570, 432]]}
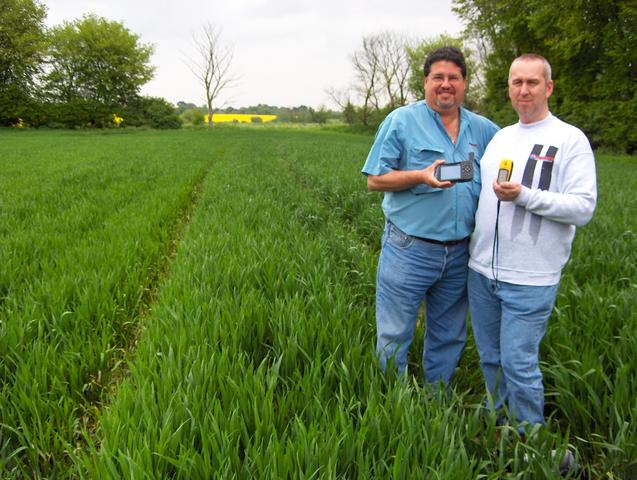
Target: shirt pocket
{"points": [[421, 156]]}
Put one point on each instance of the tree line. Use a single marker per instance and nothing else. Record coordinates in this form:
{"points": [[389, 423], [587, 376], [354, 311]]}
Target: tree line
{"points": [[89, 72], [83, 73], [591, 45], [592, 48], [388, 73]]}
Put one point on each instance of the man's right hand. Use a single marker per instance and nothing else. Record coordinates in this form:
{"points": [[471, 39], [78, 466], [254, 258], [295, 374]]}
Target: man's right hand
{"points": [[398, 180], [430, 176], [506, 191]]}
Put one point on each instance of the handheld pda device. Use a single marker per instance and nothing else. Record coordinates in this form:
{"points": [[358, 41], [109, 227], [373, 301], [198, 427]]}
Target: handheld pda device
{"points": [[456, 172], [504, 170]]}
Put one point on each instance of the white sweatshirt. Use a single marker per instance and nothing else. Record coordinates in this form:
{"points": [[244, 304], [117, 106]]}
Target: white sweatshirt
{"points": [[555, 164]]}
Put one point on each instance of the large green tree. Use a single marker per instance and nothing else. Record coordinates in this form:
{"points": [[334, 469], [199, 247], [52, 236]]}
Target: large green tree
{"points": [[22, 43], [591, 45], [93, 59]]}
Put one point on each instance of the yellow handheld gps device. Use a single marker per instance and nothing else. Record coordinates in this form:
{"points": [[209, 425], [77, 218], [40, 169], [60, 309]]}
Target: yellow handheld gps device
{"points": [[504, 170]]}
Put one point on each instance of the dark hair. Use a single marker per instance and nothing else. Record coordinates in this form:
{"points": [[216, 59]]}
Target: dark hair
{"points": [[448, 53]]}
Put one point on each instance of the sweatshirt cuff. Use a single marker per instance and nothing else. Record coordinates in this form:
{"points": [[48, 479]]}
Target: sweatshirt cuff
{"points": [[524, 197]]}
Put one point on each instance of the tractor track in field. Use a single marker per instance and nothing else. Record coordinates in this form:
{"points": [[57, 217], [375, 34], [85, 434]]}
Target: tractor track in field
{"points": [[119, 364]]}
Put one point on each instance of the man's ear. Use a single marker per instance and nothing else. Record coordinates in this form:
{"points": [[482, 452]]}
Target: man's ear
{"points": [[549, 89]]}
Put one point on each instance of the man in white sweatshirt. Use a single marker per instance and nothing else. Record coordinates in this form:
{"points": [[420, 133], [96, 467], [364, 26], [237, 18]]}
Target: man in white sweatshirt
{"points": [[524, 230]]}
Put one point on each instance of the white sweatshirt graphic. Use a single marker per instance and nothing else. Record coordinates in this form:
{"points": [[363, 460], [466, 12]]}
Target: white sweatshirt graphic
{"points": [[555, 164]]}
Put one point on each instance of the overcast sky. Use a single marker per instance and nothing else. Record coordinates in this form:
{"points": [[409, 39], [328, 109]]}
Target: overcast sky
{"points": [[286, 52]]}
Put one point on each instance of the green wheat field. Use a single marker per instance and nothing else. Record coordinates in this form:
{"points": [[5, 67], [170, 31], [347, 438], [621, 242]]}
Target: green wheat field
{"points": [[200, 304]]}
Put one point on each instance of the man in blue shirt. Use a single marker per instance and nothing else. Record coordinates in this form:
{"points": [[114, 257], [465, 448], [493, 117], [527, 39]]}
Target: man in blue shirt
{"points": [[424, 251]]}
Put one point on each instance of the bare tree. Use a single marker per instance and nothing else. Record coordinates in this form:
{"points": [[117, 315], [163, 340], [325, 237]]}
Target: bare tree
{"points": [[367, 74], [211, 65], [340, 97], [394, 67], [382, 72]]}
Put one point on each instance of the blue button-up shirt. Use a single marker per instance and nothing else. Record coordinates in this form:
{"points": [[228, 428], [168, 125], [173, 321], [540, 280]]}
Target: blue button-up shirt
{"points": [[413, 137]]}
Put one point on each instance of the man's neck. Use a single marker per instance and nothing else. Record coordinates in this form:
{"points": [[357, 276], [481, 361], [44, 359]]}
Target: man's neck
{"points": [[526, 120], [451, 121], [443, 112], [449, 116]]}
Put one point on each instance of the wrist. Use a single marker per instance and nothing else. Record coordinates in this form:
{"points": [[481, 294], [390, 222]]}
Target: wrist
{"points": [[523, 197]]}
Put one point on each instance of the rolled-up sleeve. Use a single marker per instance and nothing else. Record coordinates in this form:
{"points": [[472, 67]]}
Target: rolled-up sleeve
{"points": [[387, 150]]}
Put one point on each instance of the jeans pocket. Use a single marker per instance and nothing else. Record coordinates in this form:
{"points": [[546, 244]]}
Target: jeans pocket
{"points": [[399, 239]]}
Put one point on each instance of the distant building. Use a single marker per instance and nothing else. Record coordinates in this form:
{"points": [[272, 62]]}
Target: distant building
{"points": [[240, 118]]}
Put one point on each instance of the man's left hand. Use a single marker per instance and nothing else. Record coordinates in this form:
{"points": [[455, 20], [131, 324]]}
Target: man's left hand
{"points": [[506, 191]]}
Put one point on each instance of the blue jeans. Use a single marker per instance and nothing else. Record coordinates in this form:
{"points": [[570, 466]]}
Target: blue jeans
{"points": [[410, 271], [509, 322]]}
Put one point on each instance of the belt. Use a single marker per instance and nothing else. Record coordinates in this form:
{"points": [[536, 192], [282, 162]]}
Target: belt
{"points": [[446, 243]]}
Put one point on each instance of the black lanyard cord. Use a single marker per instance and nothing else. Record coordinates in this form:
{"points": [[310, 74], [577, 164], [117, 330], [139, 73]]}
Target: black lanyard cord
{"points": [[496, 247]]}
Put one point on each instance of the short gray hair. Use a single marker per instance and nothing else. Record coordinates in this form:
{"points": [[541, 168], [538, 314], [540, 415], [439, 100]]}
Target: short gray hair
{"points": [[535, 56]]}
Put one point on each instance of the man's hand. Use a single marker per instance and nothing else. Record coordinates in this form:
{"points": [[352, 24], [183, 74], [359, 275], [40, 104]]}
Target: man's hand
{"points": [[429, 176], [398, 180], [507, 191]]}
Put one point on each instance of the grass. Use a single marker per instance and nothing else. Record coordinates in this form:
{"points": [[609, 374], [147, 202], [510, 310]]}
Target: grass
{"points": [[242, 345]]}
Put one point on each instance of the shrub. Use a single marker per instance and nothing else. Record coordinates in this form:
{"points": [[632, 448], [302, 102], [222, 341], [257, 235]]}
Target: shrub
{"points": [[193, 116], [153, 111]]}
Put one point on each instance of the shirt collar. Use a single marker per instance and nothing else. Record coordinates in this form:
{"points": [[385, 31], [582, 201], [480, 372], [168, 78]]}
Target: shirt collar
{"points": [[433, 113]]}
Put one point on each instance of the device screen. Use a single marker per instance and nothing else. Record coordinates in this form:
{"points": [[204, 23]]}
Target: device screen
{"points": [[450, 172], [503, 176]]}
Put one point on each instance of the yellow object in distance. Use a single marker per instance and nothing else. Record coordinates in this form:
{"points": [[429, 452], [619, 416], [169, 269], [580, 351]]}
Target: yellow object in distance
{"points": [[239, 117]]}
